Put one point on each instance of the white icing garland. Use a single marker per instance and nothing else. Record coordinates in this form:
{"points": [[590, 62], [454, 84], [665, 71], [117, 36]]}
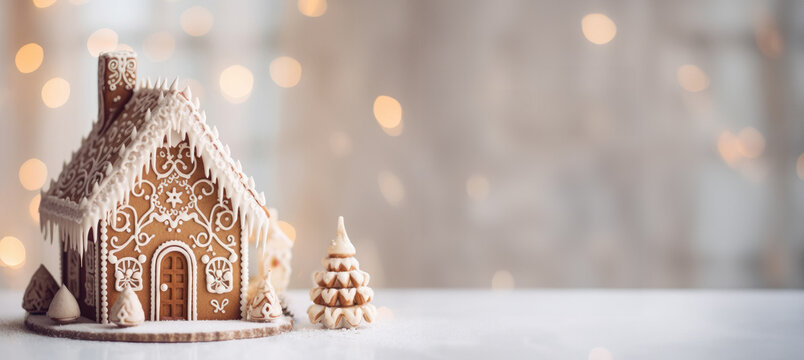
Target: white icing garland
{"points": [[104, 303], [104, 181], [243, 272]]}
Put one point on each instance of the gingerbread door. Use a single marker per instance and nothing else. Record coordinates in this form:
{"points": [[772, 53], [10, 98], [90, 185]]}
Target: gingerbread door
{"points": [[174, 285]]}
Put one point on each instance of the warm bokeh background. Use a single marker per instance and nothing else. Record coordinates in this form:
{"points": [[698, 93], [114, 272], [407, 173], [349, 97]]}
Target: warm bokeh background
{"points": [[499, 144]]}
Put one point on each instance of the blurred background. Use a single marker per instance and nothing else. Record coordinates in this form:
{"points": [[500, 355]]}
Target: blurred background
{"points": [[487, 144]]}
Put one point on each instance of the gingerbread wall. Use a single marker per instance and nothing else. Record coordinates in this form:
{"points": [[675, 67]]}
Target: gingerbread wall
{"points": [[176, 209], [79, 274]]}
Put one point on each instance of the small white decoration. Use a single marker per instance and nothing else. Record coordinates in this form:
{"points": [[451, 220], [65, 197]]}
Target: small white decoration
{"points": [[127, 310], [164, 287], [128, 273], [219, 275], [219, 306]]}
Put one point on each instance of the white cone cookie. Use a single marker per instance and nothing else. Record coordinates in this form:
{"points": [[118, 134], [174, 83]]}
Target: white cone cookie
{"points": [[64, 308], [341, 294], [264, 306], [127, 310]]}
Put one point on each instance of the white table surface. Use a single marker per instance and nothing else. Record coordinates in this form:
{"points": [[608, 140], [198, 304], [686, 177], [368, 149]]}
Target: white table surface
{"points": [[476, 324]]}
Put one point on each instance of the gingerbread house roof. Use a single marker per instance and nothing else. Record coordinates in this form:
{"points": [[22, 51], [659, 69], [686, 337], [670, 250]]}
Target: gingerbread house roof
{"points": [[112, 158]]}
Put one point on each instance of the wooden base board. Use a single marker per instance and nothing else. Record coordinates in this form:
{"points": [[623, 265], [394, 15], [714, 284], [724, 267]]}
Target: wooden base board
{"points": [[160, 331]]}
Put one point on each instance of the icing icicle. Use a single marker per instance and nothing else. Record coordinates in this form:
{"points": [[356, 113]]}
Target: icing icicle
{"points": [[164, 112]]}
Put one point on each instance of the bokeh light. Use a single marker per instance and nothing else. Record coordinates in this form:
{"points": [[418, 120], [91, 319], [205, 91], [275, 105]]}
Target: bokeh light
{"points": [[752, 143], [124, 47], [312, 8], [43, 3], [285, 71], [55, 92], [29, 58], [477, 187], [340, 143], [384, 313], [800, 166], [12, 252], [288, 229], [387, 111], [33, 174], [159, 46], [598, 28], [196, 87], [236, 82], [197, 21], [600, 353], [692, 78], [391, 188], [728, 145], [395, 131], [769, 39], [502, 280], [102, 40], [33, 207]]}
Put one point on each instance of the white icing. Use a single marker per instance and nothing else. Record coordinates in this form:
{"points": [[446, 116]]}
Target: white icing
{"points": [[341, 278], [127, 309], [265, 305], [340, 264], [104, 304], [219, 275], [64, 307], [341, 317], [92, 183], [341, 297], [341, 245], [243, 274]]}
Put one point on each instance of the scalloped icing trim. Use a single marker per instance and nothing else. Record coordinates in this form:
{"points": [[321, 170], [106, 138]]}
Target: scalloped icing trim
{"points": [[340, 264], [341, 279], [173, 115], [341, 297], [341, 317]]}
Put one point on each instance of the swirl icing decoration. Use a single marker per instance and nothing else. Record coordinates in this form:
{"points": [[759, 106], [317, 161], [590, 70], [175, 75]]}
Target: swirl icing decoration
{"points": [[109, 164]]}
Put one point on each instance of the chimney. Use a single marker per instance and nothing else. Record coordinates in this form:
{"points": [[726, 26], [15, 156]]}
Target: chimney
{"points": [[117, 76]]}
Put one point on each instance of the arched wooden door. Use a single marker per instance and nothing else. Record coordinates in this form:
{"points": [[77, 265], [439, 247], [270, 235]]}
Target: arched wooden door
{"points": [[174, 285]]}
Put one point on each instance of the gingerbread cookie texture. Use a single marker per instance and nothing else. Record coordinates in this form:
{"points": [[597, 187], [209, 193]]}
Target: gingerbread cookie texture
{"points": [[127, 310], [40, 291], [64, 308], [341, 295], [265, 305], [153, 200]]}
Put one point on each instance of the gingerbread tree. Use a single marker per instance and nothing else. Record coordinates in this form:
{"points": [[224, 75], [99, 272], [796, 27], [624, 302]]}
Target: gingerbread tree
{"points": [[341, 294], [264, 305], [127, 310]]}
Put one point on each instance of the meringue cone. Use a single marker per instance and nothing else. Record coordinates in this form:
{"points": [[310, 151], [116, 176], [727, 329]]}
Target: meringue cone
{"points": [[341, 294], [64, 308], [127, 310], [277, 254], [40, 291], [264, 305]]}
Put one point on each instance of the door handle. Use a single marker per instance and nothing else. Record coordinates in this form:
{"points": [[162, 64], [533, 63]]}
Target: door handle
{"points": [[164, 287]]}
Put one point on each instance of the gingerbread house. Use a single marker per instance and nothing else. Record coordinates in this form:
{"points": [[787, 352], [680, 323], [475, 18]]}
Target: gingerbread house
{"points": [[153, 201]]}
